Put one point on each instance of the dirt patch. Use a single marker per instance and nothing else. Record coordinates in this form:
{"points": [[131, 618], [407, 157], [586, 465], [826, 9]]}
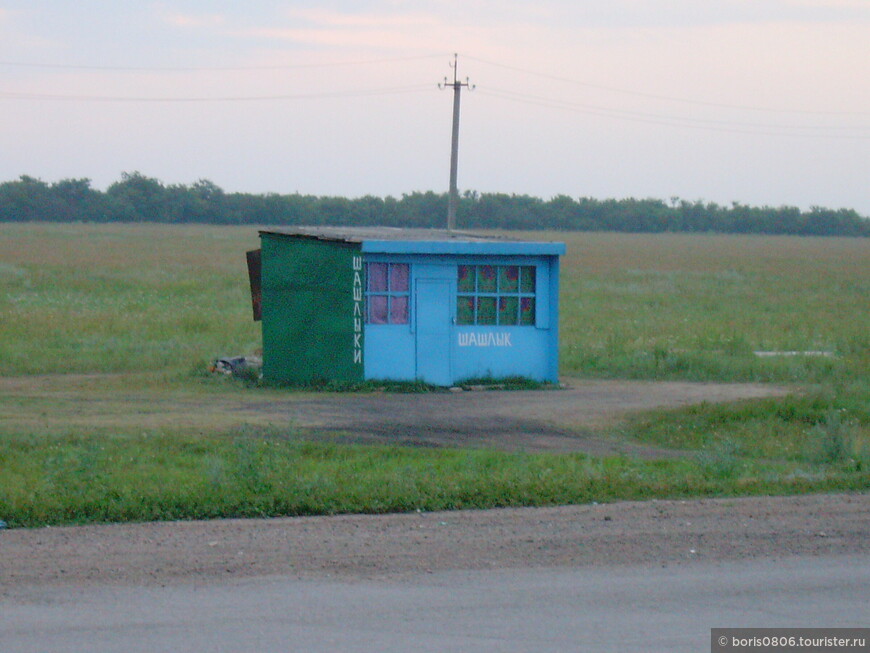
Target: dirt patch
{"points": [[563, 420], [371, 546], [566, 420]]}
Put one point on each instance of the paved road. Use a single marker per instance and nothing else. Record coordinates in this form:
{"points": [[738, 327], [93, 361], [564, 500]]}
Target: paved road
{"points": [[619, 608]]}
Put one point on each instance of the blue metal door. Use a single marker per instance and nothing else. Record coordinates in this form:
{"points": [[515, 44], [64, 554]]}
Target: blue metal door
{"points": [[434, 323]]}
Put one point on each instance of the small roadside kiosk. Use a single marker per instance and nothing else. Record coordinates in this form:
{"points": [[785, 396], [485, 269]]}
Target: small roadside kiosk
{"points": [[355, 304]]}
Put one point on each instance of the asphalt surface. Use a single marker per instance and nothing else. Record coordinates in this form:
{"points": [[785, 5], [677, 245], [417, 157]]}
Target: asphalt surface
{"points": [[633, 608], [646, 576]]}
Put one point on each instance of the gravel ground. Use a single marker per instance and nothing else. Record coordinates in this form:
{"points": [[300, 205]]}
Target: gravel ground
{"points": [[656, 533]]}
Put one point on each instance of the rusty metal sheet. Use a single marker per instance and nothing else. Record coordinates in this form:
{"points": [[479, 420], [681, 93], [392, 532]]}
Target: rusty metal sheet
{"points": [[254, 277]]}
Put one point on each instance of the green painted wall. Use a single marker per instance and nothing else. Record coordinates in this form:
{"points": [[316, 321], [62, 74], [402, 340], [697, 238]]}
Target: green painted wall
{"points": [[312, 310]]}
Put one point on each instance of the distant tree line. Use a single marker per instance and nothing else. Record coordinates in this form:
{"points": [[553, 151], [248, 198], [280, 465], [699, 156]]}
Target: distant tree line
{"points": [[137, 198]]}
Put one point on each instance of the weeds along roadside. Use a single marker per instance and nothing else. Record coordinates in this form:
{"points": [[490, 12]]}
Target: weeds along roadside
{"points": [[77, 478]]}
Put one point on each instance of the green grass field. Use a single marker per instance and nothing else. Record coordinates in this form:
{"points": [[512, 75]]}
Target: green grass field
{"points": [[135, 311], [697, 307]]}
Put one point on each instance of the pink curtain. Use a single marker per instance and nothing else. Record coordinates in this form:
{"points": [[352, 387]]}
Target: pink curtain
{"points": [[377, 277], [399, 310], [377, 305], [399, 277]]}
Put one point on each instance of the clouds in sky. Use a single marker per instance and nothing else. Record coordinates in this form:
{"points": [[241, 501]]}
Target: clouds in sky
{"points": [[758, 101]]}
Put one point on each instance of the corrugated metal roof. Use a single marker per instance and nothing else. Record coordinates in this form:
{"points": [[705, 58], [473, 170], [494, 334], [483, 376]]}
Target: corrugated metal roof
{"points": [[391, 240], [361, 234]]}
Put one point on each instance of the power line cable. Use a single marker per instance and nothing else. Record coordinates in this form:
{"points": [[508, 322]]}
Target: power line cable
{"points": [[628, 112], [327, 64], [363, 62], [6, 95], [675, 121], [591, 109], [614, 89]]}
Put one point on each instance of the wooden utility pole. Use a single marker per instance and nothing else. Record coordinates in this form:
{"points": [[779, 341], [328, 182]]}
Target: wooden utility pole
{"points": [[453, 196]]}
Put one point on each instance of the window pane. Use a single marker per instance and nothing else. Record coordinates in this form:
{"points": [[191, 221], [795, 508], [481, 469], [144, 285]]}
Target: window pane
{"points": [[486, 310], [466, 278], [508, 278], [377, 309], [527, 311], [486, 278], [399, 310], [507, 310], [464, 310], [377, 277], [527, 283], [399, 277]]}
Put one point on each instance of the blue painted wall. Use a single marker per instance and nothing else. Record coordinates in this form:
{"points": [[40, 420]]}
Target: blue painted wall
{"points": [[433, 348]]}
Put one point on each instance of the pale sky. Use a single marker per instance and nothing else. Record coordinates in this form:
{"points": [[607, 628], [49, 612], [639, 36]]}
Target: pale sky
{"points": [[754, 101]]}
